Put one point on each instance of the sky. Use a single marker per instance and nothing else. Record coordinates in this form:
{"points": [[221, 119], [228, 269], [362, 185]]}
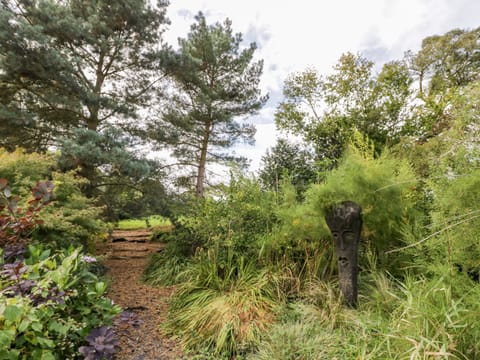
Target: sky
{"points": [[294, 35]]}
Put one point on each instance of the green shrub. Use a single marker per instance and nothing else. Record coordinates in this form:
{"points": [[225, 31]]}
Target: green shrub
{"points": [[72, 218], [231, 224], [48, 304], [239, 214], [454, 231], [300, 242], [297, 244], [23, 169], [384, 188]]}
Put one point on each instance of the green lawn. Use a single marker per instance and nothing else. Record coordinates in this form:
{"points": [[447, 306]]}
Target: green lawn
{"points": [[152, 221]]}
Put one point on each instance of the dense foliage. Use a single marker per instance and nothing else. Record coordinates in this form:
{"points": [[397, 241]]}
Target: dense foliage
{"points": [[49, 303], [253, 260], [419, 268], [71, 218], [288, 162], [75, 66]]}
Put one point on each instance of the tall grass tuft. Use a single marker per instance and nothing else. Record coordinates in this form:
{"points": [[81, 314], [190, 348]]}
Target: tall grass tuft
{"points": [[164, 268], [223, 309], [418, 318]]}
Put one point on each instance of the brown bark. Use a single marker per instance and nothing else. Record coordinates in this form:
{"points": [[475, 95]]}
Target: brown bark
{"points": [[202, 162], [87, 170]]}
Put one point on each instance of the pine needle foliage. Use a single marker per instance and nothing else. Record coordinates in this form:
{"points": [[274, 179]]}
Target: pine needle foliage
{"points": [[385, 189]]}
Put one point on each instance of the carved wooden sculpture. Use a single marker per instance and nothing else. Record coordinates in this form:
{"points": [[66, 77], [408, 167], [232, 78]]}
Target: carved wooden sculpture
{"points": [[345, 223]]}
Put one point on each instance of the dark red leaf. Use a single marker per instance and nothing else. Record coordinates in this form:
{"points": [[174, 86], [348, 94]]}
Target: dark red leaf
{"points": [[3, 183]]}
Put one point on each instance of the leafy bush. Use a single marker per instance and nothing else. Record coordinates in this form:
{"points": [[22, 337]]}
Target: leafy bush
{"points": [[72, 218], [230, 224], [298, 244], [48, 304], [385, 188], [22, 169], [234, 218], [449, 165], [16, 224]]}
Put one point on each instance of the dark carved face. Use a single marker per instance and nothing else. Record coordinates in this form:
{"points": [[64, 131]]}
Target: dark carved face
{"points": [[345, 224], [346, 245]]}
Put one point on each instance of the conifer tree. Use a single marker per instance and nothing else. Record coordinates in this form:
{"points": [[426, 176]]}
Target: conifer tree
{"points": [[214, 82], [75, 64]]}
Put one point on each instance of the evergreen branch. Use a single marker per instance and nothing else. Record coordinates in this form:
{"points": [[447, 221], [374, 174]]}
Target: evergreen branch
{"points": [[186, 163], [131, 186], [148, 87], [50, 104], [86, 55], [81, 75], [186, 143]]}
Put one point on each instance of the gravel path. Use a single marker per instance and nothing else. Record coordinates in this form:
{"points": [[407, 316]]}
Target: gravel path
{"points": [[127, 256]]}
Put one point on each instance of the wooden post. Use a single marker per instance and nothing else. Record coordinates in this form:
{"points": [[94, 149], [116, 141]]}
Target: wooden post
{"points": [[345, 223]]}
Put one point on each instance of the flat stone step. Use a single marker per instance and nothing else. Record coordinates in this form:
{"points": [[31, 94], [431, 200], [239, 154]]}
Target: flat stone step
{"points": [[133, 240], [115, 257], [119, 250], [139, 236]]}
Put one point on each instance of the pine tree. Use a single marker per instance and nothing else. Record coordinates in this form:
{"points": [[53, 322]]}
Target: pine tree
{"points": [[67, 65], [214, 82]]}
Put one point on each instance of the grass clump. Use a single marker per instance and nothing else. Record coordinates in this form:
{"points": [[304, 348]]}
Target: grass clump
{"points": [[164, 269], [223, 309], [418, 318]]}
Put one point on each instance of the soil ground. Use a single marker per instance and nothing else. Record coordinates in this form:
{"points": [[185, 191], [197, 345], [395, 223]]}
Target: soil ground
{"points": [[127, 255]]}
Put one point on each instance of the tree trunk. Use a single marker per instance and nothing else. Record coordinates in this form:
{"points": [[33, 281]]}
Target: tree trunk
{"points": [[203, 161], [87, 170], [420, 82]]}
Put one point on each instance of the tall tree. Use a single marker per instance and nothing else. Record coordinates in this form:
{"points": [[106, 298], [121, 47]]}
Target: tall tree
{"points": [[214, 82], [74, 64], [326, 111], [287, 160], [444, 64]]}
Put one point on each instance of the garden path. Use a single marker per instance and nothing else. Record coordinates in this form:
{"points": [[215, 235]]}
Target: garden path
{"points": [[126, 257]]}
